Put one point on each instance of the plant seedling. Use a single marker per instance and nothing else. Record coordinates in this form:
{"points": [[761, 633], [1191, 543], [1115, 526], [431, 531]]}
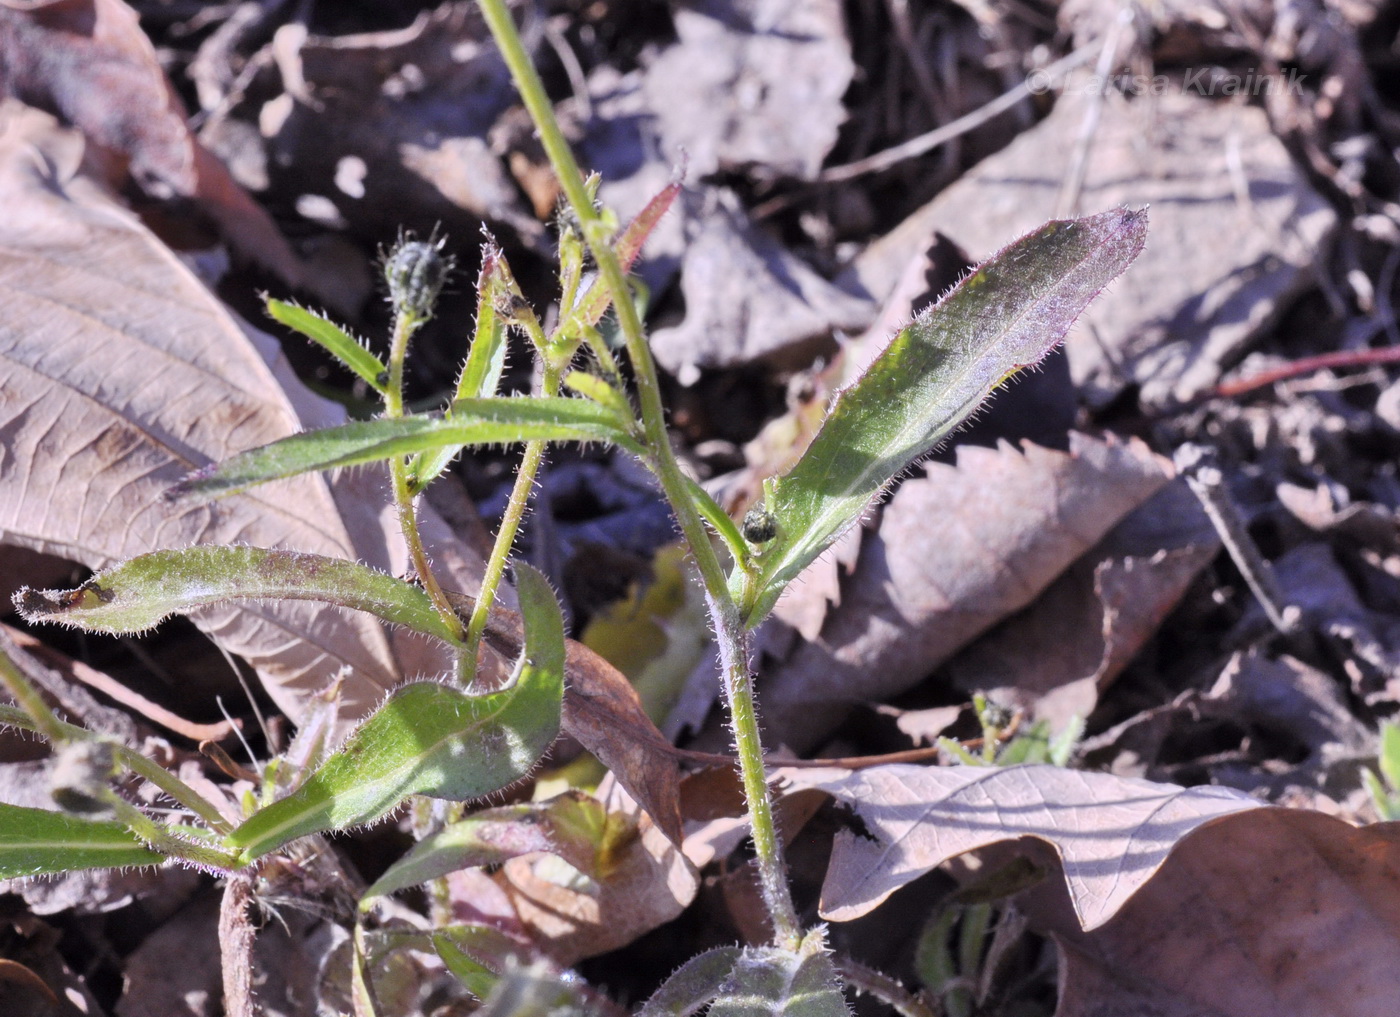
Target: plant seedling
{"points": [[448, 739]]}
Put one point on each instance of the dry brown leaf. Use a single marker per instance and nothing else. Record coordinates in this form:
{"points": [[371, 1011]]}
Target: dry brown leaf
{"points": [[725, 93], [36, 945], [175, 971], [633, 879], [1053, 658], [746, 296], [1265, 913], [1111, 833], [119, 373], [952, 555], [604, 714], [1370, 525], [89, 62], [1209, 169]]}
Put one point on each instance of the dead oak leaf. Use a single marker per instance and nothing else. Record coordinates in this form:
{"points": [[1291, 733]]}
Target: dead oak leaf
{"points": [[1266, 912], [951, 555], [620, 877], [1111, 833]]}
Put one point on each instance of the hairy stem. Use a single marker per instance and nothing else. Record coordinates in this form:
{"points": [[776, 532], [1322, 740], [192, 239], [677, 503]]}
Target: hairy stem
{"points": [[159, 839], [768, 847], [729, 628], [58, 732], [43, 720], [405, 324], [236, 938], [510, 524]]}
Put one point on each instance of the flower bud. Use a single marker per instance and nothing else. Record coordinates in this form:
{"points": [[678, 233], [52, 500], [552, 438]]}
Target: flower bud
{"points": [[759, 526], [416, 271]]}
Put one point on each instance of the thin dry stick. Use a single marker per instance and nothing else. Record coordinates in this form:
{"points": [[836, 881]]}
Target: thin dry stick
{"points": [[236, 946], [109, 686], [942, 135], [1308, 365], [1197, 464], [1073, 183]]}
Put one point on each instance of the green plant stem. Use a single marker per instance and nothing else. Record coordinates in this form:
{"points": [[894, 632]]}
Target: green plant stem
{"points": [[743, 711], [510, 524], [404, 326], [159, 839], [133, 761], [729, 629], [43, 720]]}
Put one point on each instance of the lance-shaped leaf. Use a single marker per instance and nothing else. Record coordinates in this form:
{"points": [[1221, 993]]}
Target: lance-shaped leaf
{"points": [[432, 740], [139, 593], [35, 841], [470, 422], [338, 342], [1005, 316], [486, 360], [692, 986], [476, 954], [485, 838], [596, 301], [478, 979]]}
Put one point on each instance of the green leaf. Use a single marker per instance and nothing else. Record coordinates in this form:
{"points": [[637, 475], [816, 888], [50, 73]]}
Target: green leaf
{"points": [[725, 528], [432, 740], [470, 422], [1006, 315], [476, 954], [594, 388], [537, 990], [572, 826], [595, 302], [690, 987], [486, 360], [341, 345], [35, 841], [1390, 754], [485, 838], [773, 982], [139, 593], [1381, 797], [454, 946]]}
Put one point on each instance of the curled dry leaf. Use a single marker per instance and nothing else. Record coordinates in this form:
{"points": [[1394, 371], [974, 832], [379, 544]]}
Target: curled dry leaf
{"points": [[953, 554], [384, 127], [1266, 912], [1053, 658], [724, 93], [120, 373], [1111, 833], [90, 62], [622, 878], [747, 296]]}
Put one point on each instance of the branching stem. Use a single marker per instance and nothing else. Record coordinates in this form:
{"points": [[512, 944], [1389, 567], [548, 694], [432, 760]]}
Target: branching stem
{"points": [[729, 629], [48, 726], [510, 525], [405, 323]]}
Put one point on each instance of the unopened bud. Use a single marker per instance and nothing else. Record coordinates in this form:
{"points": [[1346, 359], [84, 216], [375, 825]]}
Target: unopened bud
{"points": [[78, 781], [416, 271]]}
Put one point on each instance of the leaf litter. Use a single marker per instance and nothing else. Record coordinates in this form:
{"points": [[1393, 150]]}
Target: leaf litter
{"points": [[1065, 575]]}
